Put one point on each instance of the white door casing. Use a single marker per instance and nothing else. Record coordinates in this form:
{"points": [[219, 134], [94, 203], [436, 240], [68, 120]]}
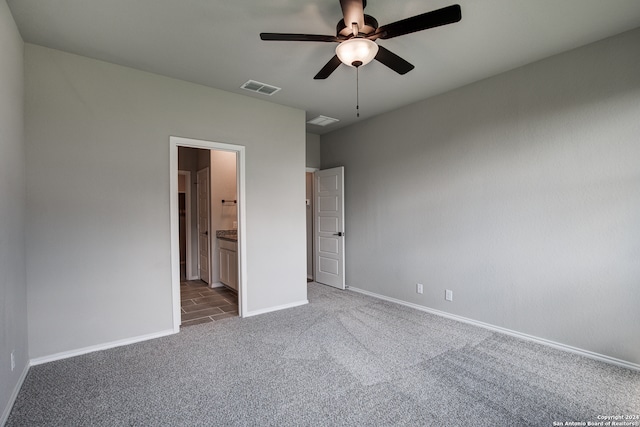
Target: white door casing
{"points": [[329, 227], [204, 220]]}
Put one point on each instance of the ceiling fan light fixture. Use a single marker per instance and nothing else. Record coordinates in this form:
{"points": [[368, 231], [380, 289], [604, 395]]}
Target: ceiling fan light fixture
{"points": [[357, 51]]}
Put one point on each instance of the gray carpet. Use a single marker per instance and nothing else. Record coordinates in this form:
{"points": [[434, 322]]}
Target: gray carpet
{"points": [[344, 359]]}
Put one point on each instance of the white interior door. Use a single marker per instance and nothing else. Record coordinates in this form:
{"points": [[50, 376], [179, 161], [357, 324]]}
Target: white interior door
{"points": [[329, 227], [185, 187], [204, 260]]}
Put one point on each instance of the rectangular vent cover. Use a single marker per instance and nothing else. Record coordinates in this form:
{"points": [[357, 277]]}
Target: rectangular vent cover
{"points": [[258, 87], [322, 121]]}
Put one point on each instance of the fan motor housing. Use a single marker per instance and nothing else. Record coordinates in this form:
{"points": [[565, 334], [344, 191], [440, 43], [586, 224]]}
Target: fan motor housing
{"points": [[370, 25]]}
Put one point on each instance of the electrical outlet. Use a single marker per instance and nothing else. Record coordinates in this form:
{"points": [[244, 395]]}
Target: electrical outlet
{"points": [[13, 362], [419, 288], [448, 295]]}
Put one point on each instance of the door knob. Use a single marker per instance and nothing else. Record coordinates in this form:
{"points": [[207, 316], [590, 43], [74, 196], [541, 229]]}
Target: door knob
{"points": [[339, 233]]}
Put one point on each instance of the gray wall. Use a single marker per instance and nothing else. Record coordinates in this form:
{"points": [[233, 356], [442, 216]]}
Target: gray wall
{"points": [[13, 287], [521, 193], [313, 150], [98, 234]]}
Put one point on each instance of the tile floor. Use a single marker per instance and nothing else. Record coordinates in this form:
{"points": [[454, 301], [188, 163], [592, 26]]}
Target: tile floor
{"points": [[202, 304]]}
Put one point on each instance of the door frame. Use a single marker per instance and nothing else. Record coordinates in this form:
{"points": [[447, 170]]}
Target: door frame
{"points": [[312, 171], [174, 143], [187, 197]]}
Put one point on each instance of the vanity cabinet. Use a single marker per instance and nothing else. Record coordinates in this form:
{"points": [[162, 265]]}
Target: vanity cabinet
{"points": [[229, 263]]}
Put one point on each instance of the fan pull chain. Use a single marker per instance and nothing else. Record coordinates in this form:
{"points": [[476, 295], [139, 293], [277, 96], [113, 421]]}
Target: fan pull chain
{"points": [[357, 93]]}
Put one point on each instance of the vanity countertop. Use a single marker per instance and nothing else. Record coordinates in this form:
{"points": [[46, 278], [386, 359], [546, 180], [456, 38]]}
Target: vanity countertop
{"points": [[229, 235]]}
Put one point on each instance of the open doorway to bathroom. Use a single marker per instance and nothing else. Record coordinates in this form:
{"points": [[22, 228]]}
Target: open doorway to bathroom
{"points": [[209, 217], [210, 291]]}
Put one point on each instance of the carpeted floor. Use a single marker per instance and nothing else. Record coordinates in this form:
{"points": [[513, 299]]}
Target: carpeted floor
{"points": [[344, 359]]}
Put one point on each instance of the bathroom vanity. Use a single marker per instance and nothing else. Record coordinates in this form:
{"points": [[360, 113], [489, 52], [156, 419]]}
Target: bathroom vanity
{"points": [[228, 244]]}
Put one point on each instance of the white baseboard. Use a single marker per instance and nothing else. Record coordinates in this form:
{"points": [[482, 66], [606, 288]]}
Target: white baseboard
{"points": [[543, 341], [216, 285], [14, 395], [309, 276], [99, 347], [276, 308]]}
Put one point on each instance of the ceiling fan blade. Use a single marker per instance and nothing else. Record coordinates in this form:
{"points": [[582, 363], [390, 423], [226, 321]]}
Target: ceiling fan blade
{"points": [[329, 68], [353, 11], [298, 37], [436, 18], [393, 61]]}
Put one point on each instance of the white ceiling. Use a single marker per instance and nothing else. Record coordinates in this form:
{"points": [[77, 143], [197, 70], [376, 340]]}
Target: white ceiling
{"points": [[216, 43]]}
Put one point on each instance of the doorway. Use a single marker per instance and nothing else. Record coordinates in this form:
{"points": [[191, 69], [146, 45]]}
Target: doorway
{"points": [[236, 221], [309, 202]]}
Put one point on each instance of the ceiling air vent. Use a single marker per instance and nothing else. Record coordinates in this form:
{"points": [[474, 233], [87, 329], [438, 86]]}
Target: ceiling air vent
{"points": [[322, 121], [258, 87]]}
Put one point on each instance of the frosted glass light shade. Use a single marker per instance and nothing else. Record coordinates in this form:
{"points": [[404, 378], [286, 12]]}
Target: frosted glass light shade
{"points": [[357, 52]]}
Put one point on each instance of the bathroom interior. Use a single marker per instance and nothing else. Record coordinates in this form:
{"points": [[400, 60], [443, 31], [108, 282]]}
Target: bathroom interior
{"points": [[208, 205]]}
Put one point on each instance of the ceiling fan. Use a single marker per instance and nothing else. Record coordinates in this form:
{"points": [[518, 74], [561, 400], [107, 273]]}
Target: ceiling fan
{"points": [[356, 34]]}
